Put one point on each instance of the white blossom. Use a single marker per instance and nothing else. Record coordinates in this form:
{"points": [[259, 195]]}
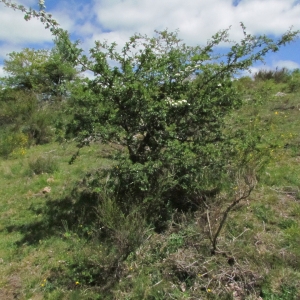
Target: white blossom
{"points": [[42, 4], [175, 103]]}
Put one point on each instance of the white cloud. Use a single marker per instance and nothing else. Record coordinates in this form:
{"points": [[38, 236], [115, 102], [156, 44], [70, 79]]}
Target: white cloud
{"points": [[288, 64], [15, 30], [64, 19], [269, 16], [116, 20], [88, 74], [8, 48], [72, 16], [27, 3], [2, 73], [253, 70], [193, 19], [197, 20]]}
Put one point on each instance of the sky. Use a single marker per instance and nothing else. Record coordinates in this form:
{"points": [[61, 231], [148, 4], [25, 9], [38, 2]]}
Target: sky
{"points": [[117, 20]]}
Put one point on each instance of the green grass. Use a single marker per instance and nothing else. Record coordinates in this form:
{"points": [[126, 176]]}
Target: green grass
{"points": [[52, 245], [27, 244]]}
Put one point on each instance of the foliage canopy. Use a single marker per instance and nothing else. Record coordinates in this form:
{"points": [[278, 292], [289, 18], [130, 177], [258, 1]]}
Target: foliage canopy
{"points": [[32, 93], [40, 71], [165, 103]]}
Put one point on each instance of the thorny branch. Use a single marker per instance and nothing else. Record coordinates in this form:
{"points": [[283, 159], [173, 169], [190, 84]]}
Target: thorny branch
{"points": [[245, 189]]}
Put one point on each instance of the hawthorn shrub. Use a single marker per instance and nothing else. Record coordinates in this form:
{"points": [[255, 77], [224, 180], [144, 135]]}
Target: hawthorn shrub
{"points": [[166, 104]]}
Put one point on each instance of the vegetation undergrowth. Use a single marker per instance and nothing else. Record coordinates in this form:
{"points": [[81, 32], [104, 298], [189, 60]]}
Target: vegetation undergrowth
{"points": [[61, 240], [162, 178]]}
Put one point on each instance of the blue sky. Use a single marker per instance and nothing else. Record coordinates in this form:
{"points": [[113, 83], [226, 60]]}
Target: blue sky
{"points": [[116, 20]]}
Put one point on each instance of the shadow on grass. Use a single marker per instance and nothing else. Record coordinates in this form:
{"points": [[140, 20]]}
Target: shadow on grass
{"points": [[59, 215], [72, 214]]}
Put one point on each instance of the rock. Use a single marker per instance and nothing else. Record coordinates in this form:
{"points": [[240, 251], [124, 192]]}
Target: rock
{"points": [[50, 179], [46, 190], [280, 94]]}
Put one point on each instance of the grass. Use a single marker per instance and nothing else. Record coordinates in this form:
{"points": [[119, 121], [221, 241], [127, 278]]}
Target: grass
{"points": [[53, 247], [22, 203]]}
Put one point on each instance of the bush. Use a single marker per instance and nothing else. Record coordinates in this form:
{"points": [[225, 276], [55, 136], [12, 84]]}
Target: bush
{"points": [[278, 75], [16, 106], [43, 164], [38, 126], [126, 232], [167, 105], [21, 111], [13, 144], [294, 82]]}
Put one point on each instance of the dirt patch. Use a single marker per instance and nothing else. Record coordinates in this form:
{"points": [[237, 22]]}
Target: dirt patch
{"points": [[12, 291]]}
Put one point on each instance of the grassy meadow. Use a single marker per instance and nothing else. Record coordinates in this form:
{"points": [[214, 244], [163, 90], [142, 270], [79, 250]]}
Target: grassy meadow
{"points": [[52, 244]]}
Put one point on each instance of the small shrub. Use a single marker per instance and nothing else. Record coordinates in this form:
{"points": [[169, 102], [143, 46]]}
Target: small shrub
{"points": [[38, 127], [126, 231], [13, 144], [294, 82], [279, 75], [175, 241], [245, 83], [43, 164]]}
